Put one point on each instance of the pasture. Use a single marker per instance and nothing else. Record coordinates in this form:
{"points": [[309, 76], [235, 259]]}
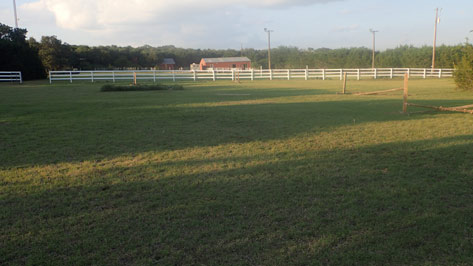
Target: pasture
{"points": [[257, 173]]}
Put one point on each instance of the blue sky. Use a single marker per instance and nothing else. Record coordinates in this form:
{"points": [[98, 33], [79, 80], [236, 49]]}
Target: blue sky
{"points": [[231, 23]]}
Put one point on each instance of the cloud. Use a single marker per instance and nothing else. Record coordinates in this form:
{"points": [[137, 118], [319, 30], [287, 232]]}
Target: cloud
{"points": [[112, 14]]}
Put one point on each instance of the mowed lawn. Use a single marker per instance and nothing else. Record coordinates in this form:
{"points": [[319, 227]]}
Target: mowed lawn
{"points": [[257, 173]]}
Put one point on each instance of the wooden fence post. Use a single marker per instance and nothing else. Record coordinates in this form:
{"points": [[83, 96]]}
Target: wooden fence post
{"points": [[358, 74], [70, 76], [252, 74], [134, 78], [323, 74], [425, 73], [344, 82], [406, 91], [195, 77], [213, 74], [306, 72], [92, 76], [288, 74], [341, 74], [113, 76]]}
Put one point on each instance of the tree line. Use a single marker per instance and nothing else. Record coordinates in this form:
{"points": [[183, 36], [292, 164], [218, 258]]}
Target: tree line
{"points": [[35, 58]]}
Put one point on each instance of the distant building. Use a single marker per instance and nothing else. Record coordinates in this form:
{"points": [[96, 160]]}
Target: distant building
{"points": [[194, 66], [241, 63], [168, 64]]}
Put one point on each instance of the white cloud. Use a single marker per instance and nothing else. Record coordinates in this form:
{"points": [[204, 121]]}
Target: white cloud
{"points": [[110, 14]]}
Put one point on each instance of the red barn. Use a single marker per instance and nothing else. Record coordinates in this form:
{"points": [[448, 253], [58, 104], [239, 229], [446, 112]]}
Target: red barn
{"points": [[167, 64], [241, 63]]}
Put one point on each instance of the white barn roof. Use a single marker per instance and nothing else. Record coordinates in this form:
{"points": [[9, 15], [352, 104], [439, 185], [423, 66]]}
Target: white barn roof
{"points": [[226, 59]]}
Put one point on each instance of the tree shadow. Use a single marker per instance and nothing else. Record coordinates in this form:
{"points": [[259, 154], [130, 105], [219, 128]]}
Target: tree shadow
{"points": [[79, 131], [398, 203]]}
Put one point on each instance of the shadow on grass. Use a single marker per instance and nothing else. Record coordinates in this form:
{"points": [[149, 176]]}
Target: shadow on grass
{"points": [[94, 131], [398, 203]]}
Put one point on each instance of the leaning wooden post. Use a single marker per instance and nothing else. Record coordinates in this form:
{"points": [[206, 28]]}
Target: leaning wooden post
{"points": [[344, 82], [134, 78], [406, 90]]}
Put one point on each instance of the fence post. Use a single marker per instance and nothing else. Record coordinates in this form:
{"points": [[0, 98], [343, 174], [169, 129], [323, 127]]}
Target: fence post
{"points": [[425, 73], [440, 73], [213, 74], [406, 90], [375, 73], [173, 75], [344, 83], [92, 76], [270, 74], [113, 76], [154, 75], [341, 74], [195, 78], [391, 74], [288, 74], [70, 76], [252, 74], [408, 72], [323, 74], [358, 74], [306, 72], [233, 74], [50, 79]]}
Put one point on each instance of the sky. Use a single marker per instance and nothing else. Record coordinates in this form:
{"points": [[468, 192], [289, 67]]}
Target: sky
{"points": [[231, 24]]}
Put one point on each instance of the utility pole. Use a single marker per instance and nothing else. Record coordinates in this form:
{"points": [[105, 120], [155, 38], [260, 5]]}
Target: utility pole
{"points": [[269, 46], [374, 46], [14, 10], [437, 20]]}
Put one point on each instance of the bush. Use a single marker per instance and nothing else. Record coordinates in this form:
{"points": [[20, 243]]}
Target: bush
{"points": [[113, 87], [464, 71]]}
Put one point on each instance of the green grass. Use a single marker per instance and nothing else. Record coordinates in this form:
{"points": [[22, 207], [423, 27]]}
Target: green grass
{"points": [[139, 87], [257, 173]]}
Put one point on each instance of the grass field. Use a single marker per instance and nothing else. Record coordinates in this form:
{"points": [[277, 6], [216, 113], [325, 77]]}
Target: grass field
{"points": [[257, 173]]}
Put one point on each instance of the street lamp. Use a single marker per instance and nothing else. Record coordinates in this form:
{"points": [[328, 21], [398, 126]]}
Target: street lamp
{"points": [[374, 46], [269, 46]]}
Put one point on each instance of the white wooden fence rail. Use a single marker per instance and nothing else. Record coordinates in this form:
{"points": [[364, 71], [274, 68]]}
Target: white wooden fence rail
{"points": [[252, 74], [12, 76]]}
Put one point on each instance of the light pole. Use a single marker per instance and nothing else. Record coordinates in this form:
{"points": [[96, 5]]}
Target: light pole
{"points": [[269, 46], [374, 46], [437, 20], [14, 10]]}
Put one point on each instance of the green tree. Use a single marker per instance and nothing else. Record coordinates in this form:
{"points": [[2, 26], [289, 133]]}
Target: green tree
{"points": [[54, 54], [17, 54], [464, 70]]}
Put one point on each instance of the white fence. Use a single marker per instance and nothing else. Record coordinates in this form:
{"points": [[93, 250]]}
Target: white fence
{"points": [[11, 76], [252, 74]]}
